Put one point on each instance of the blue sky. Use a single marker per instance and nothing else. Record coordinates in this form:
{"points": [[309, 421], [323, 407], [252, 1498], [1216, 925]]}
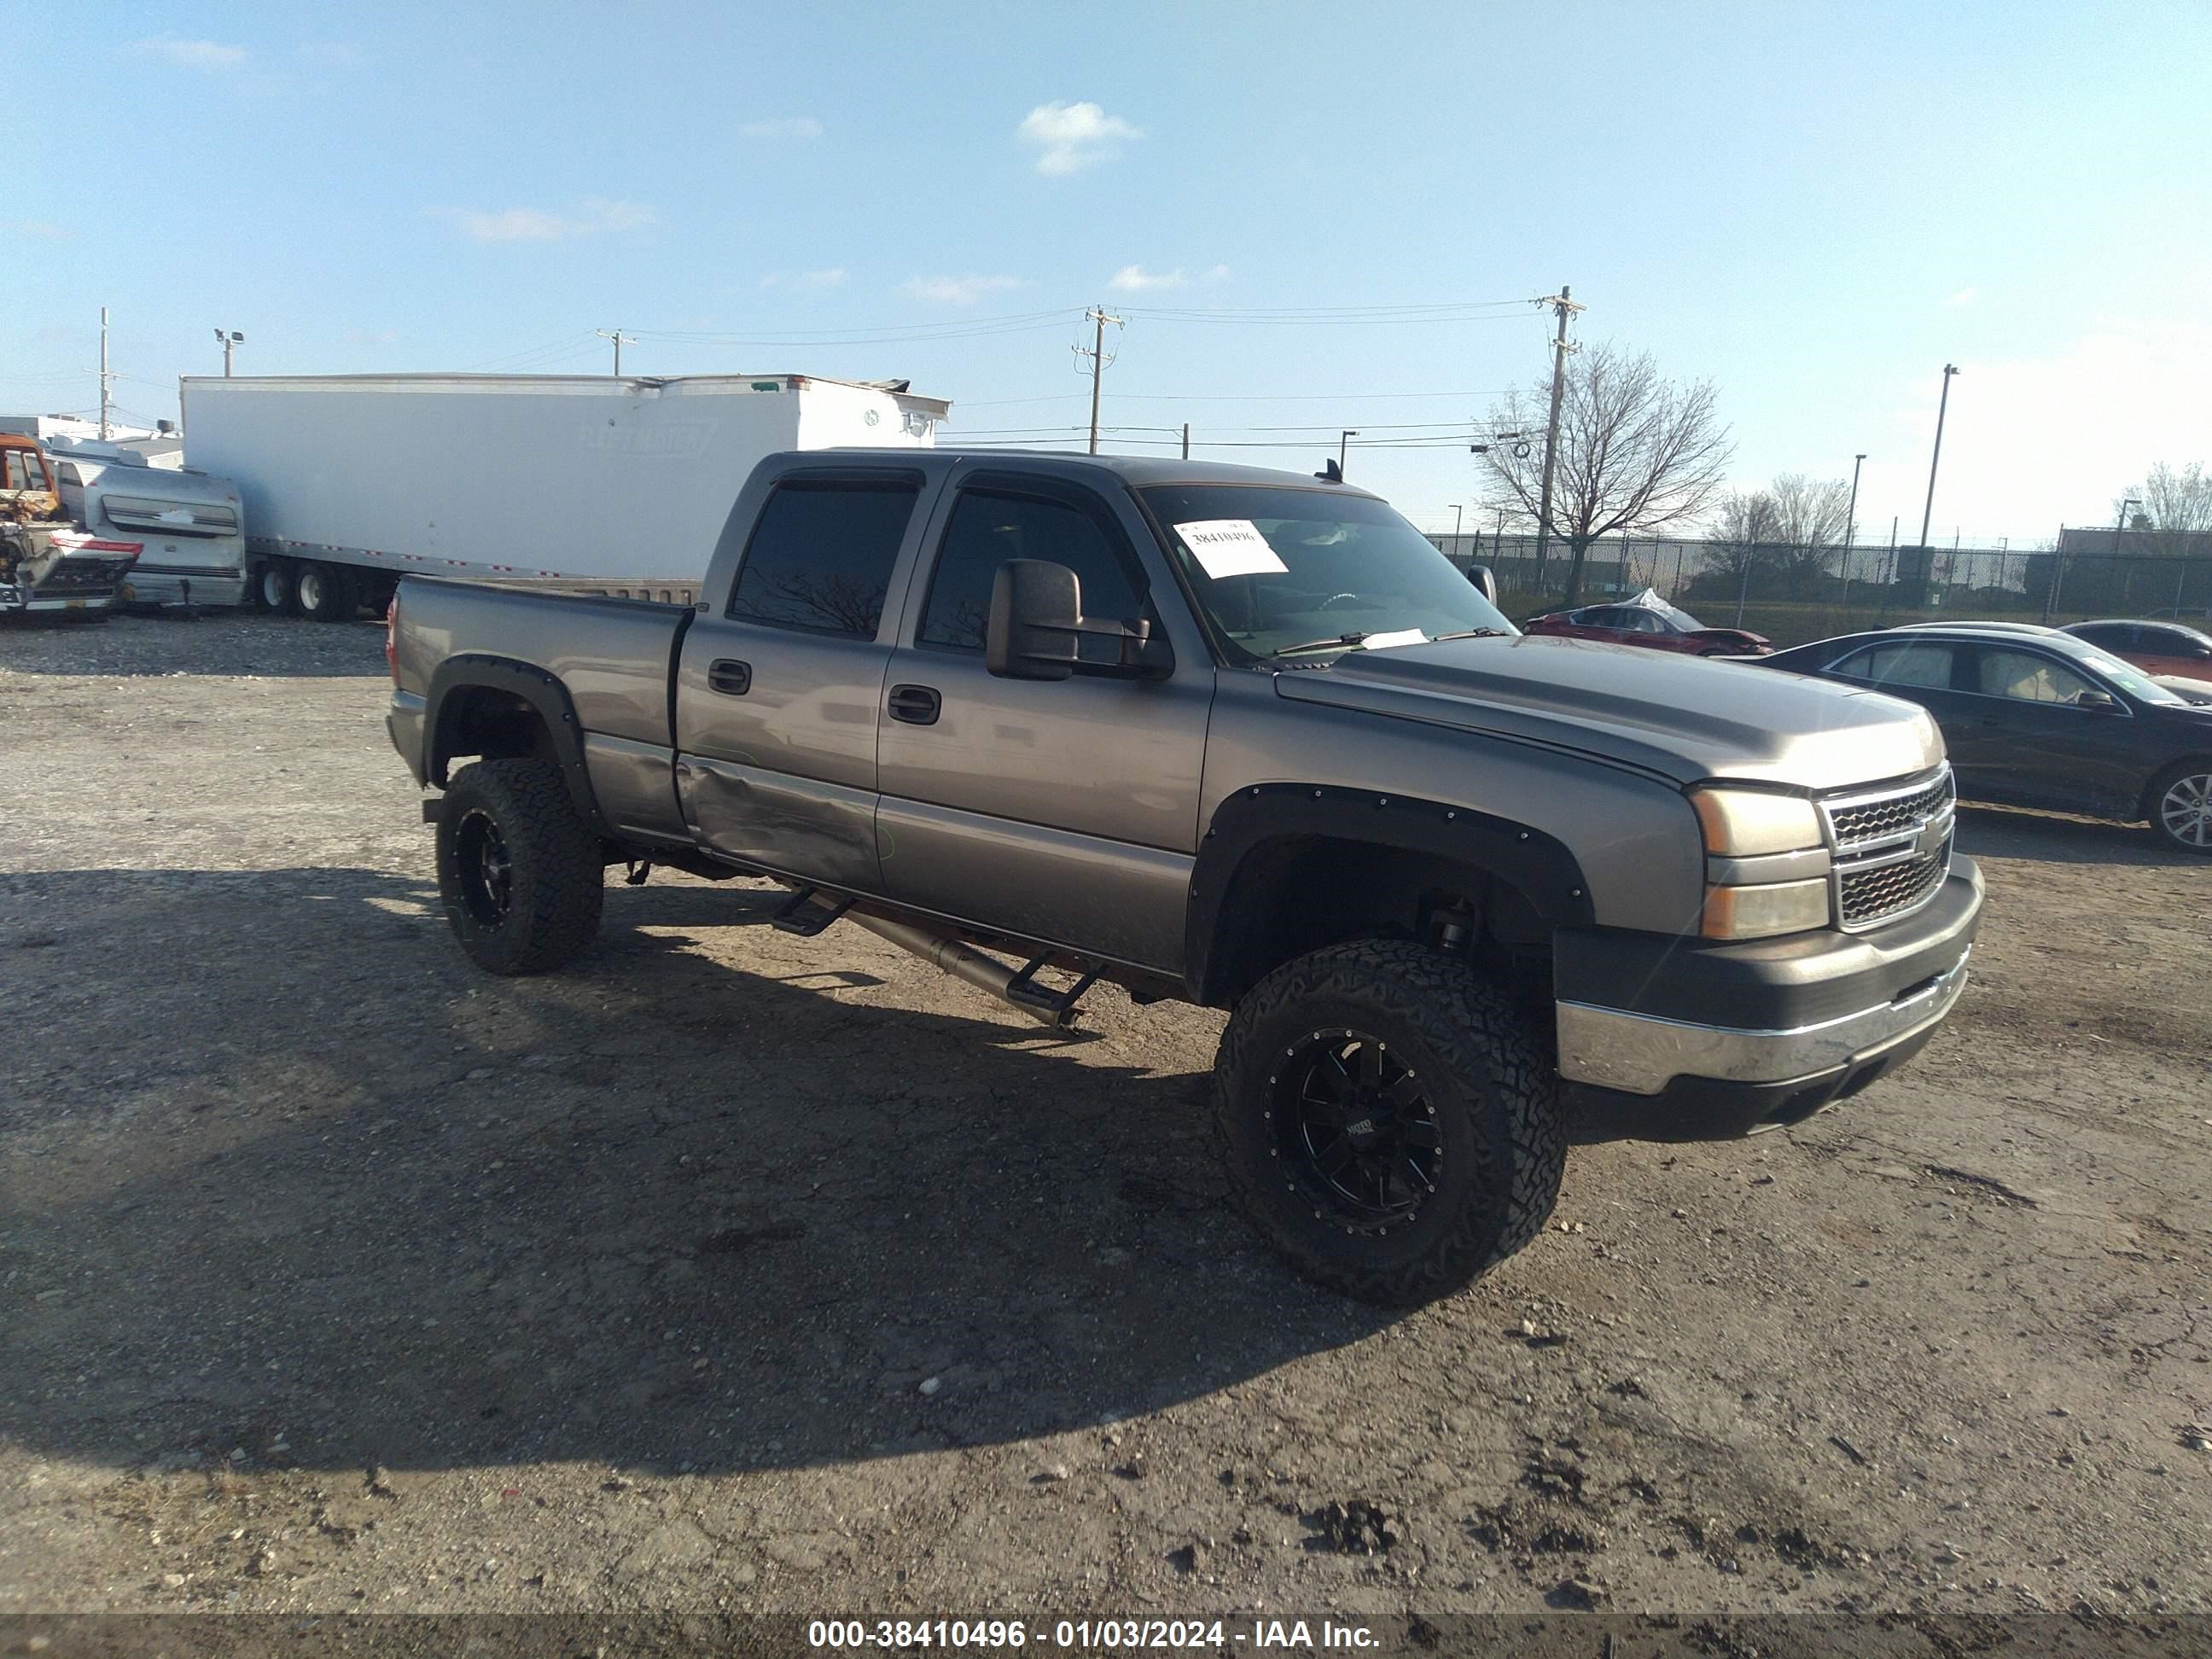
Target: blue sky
{"points": [[1814, 207]]}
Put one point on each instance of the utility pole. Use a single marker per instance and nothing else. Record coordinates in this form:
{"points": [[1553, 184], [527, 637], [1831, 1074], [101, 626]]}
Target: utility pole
{"points": [[1565, 307], [104, 377], [1941, 409], [1096, 352], [620, 339], [1344, 448], [1851, 525], [1185, 440]]}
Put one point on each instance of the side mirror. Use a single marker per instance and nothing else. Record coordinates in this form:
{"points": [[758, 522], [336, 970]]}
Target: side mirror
{"points": [[1485, 580], [2103, 702], [1038, 623]]}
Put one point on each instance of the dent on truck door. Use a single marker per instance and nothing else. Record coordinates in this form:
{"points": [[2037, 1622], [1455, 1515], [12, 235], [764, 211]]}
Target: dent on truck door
{"points": [[776, 698], [1062, 809]]}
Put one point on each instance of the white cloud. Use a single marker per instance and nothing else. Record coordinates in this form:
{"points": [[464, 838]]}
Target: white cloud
{"points": [[1964, 296], [1072, 135], [789, 126], [829, 277], [1219, 274], [595, 215], [206, 54], [38, 230], [2020, 459], [957, 290], [331, 54], [1135, 279], [363, 337]]}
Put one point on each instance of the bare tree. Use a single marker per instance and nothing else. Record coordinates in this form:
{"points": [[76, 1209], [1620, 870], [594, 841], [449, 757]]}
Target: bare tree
{"points": [[1637, 453], [1747, 538], [1810, 515], [2178, 505]]}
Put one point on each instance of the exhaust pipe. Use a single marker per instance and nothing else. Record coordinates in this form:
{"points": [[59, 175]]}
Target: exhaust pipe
{"points": [[983, 972]]}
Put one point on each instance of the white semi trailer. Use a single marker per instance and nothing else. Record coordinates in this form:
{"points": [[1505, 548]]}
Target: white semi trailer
{"points": [[621, 487]]}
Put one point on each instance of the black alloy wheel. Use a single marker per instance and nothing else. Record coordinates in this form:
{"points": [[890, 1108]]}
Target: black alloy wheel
{"points": [[485, 870], [1355, 1129]]}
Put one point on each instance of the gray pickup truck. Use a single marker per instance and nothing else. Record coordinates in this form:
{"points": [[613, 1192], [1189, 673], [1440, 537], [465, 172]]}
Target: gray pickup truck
{"points": [[1245, 740]]}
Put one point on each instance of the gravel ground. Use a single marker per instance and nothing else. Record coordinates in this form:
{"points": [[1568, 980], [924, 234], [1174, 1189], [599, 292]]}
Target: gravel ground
{"points": [[732, 1271]]}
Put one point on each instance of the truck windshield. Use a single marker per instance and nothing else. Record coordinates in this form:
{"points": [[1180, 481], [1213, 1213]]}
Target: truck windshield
{"points": [[1297, 574]]}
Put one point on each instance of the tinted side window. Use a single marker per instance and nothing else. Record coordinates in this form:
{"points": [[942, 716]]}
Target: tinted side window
{"points": [[1923, 667], [2110, 636], [986, 530], [2027, 677], [821, 557]]}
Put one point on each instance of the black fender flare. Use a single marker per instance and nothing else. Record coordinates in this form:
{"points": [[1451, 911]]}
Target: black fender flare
{"points": [[544, 692], [1537, 864]]}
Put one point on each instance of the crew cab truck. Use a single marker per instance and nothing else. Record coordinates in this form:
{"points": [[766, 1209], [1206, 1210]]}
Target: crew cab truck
{"points": [[1242, 738]]}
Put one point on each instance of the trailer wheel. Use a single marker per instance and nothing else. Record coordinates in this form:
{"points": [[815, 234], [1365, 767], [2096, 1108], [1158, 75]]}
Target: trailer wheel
{"points": [[275, 586], [1389, 1120], [519, 869], [326, 591]]}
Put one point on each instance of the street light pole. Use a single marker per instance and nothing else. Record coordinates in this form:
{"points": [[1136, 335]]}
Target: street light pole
{"points": [[1851, 525], [227, 338], [1458, 508], [1343, 449], [1942, 408]]}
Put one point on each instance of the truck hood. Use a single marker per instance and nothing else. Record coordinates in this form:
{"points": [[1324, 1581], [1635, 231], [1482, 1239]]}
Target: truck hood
{"points": [[1684, 718]]}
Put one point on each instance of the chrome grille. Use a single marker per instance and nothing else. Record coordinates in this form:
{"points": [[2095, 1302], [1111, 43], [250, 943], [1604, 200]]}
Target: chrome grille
{"points": [[1873, 819], [1892, 848], [1871, 895]]}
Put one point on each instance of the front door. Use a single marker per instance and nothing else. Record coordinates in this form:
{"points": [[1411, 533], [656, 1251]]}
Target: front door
{"points": [[1061, 810], [776, 697], [2033, 729]]}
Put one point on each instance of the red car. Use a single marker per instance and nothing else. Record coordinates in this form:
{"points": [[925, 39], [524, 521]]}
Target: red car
{"points": [[2156, 647], [1647, 619]]}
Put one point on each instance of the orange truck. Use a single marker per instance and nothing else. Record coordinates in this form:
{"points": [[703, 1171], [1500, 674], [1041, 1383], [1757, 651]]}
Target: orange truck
{"points": [[47, 564]]}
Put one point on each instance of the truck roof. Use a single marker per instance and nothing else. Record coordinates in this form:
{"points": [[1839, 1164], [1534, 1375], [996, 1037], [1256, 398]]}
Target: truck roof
{"points": [[560, 384], [1137, 472]]}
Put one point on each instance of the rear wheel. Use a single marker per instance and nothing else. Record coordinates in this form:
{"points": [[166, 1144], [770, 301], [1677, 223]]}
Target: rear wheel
{"points": [[519, 869], [2181, 807], [1389, 1120], [277, 589], [326, 591]]}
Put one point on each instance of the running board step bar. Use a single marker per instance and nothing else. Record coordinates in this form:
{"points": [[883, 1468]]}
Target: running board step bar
{"points": [[1018, 989], [802, 916]]}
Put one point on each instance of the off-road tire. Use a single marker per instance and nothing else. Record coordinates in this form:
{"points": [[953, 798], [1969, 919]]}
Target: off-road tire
{"points": [[555, 883], [1495, 1097], [2193, 772], [325, 592]]}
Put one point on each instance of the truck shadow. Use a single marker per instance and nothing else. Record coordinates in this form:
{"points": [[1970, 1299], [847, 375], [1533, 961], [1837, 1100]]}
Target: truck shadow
{"points": [[293, 1185], [2055, 838]]}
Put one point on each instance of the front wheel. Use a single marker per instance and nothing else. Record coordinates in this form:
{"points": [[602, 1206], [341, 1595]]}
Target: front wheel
{"points": [[2181, 807], [1389, 1120], [519, 869]]}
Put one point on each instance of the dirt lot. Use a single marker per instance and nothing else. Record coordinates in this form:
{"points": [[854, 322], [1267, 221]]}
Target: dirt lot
{"points": [[734, 1271]]}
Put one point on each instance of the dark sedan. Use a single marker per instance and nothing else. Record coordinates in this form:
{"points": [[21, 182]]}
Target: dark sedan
{"points": [[2041, 719], [1647, 619]]}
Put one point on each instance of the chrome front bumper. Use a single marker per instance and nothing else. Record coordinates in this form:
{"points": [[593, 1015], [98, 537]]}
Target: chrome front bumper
{"points": [[1642, 1053]]}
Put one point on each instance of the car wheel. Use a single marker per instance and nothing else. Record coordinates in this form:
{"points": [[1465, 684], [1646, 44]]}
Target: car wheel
{"points": [[326, 591], [519, 869], [2181, 807], [1389, 1120], [278, 588]]}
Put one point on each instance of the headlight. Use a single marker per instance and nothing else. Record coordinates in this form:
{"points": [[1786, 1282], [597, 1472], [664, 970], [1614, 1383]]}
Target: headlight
{"points": [[1781, 906], [1747, 823]]}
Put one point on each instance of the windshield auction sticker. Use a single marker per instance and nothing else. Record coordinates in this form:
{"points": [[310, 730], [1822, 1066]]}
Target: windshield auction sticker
{"points": [[1230, 547]]}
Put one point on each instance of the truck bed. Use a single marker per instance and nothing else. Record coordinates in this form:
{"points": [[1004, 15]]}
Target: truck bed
{"points": [[612, 654]]}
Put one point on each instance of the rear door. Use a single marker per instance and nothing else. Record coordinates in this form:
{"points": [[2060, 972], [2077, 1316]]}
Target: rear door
{"points": [[1065, 810], [2035, 737], [776, 697], [1923, 672]]}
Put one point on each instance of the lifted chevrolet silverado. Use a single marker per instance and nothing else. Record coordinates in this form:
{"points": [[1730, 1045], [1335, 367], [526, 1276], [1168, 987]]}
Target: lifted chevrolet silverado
{"points": [[1246, 739]]}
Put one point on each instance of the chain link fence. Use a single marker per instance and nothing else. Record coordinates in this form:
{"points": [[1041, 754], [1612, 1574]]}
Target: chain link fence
{"points": [[1794, 594]]}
